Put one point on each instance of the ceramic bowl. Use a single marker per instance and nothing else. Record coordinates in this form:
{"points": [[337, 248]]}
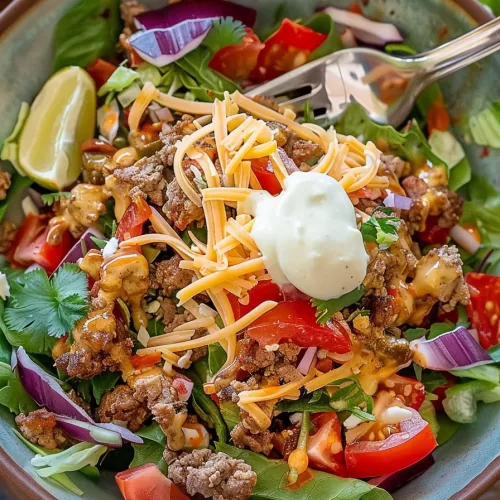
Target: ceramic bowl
{"points": [[468, 464]]}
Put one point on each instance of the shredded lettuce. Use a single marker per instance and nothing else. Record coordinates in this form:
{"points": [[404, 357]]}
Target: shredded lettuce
{"points": [[149, 73], [120, 79], [446, 146], [485, 126], [428, 413], [75, 458]]}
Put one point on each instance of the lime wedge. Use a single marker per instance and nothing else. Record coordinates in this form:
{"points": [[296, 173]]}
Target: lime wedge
{"points": [[61, 118]]}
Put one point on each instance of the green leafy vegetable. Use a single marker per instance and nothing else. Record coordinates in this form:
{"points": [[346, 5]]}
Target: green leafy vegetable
{"points": [[494, 352], [308, 113], [5, 347], [488, 373], [12, 393], [198, 232], [38, 306], [432, 380], [272, 481], [461, 400], [350, 396], [323, 23], [438, 329], [103, 383], [216, 358], [410, 145], [155, 327], [99, 243], [485, 126], [327, 308], [318, 401], [10, 148], [149, 73], [382, 227], [224, 31], [108, 221], [205, 83], [152, 449], [50, 198], [305, 427], [18, 184], [230, 413], [447, 428], [87, 31], [494, 5], [121, 78], [62, 479], [428, 413], [414, 333], [75, 458]]}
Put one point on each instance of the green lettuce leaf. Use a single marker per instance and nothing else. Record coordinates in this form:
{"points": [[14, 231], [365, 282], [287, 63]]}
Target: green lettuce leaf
{"points": [[149, 73], [18, 184], [447, 428], [216, 358], [323, 23], [121, 78], [152, 449], [327, 308], [428, 413], [12, 393], [485, 126], [272, 481], [87, 31], [103, 383], [230, 413]]}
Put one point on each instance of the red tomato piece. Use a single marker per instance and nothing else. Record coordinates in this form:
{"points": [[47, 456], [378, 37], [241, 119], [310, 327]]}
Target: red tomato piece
{"points": [[295, 321], [484, 307], [137, 213], [264, 172], [265, 290], [400, 450], [437, 116], [48, 256], [139, 362], [433, 233], [409, 390], [324, 447], [146, 482], [440, 392], [236, 62], [20, 253], [100, 71], [286, 49]]}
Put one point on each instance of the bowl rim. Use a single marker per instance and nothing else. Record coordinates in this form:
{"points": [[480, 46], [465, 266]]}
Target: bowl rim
{"points": [[17, 481]]}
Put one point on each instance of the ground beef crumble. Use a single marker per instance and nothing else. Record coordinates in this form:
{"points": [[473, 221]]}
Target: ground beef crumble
{"points": [[40, 427], [8, 231], [215, 475], [4, 184]]}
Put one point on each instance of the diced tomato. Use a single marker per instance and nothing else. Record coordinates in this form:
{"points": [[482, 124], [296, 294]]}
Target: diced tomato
{"points": [[236, 62], [264, 172], [437, 116], [137, 213], [355, 9], [100, 70], [440, 392], [286, 49], [433, 233], [265, 290], [485, 152], [295, 321], [484, 307], [146, 482], [30, 245], [409, 390], [324, 447], [139, 362], [400, 450], [473, 231], [286, 441], [20, 254]]}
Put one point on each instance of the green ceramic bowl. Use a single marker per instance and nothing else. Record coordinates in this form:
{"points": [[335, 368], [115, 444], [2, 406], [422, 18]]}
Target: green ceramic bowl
{"points": [[468, 464]]}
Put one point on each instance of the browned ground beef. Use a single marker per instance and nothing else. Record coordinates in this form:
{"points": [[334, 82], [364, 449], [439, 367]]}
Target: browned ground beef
{"points": [[40, 427]]}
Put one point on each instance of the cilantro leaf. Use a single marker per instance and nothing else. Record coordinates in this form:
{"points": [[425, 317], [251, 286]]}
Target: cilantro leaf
{"points": [[225, 31], [414, 333], [383, 230], [50, 198], [327, 308], [350, 396], [39, 306]]}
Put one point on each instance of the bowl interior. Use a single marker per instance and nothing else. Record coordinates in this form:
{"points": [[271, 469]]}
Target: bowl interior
{"points": [[25, 63]]}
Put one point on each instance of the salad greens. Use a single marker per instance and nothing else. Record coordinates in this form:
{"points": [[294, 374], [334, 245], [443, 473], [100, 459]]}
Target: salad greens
{"points": [[103, 383], [19, 184], [323, 23], [50, 198], [12, 393], [327, 308], [121, 78], [224, 32], [272, 481], [152, 449], [383, 229], [87, 31]]}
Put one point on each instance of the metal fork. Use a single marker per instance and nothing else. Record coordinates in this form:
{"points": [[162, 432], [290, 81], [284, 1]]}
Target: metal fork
{"points": [[386, 86]]}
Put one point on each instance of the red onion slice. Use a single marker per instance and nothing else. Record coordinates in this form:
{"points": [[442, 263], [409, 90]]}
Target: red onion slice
{"points": [[450, 351], [85, 431], [397, 201], [77, 252], [45, 390], [163, 46], [196, 9], [366, 30], [306, 361]]}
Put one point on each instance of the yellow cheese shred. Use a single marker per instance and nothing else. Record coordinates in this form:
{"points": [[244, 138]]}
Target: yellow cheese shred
{"points": [[226, 194], [257, 414], [183, 105], [262, 150], [141, 103], [147, 239], [238, 157]]}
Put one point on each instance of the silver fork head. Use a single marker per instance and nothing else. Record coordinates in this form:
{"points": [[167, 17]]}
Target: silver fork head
{"points": [[382, 84]]}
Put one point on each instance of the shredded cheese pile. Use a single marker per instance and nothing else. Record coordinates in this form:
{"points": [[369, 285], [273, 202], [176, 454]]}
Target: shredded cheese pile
{"points": [[230, 262]]}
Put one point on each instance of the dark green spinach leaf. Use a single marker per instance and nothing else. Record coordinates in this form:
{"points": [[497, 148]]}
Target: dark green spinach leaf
{"points": [[327, 308]]}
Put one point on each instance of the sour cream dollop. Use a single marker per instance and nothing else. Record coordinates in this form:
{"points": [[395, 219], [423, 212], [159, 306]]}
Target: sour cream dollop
{"points": [[308, 236]]}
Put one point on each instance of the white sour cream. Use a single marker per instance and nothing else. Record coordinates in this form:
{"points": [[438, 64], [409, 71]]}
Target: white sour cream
{"points": [[308, 236]]}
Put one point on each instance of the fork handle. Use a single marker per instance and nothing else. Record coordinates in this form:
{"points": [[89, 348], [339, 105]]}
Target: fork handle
{"points": [[461, 52]]}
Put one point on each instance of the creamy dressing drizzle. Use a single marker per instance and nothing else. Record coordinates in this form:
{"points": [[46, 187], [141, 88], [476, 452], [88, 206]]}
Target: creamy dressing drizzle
{"points": [[308, 235]]}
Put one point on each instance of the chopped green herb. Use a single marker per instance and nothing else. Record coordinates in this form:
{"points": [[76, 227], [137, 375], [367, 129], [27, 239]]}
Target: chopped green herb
{"points": [[50, 198], [414, 333], [99, 243], [327, 308], [308, 113], [349, 398], [383, 230], [224, 32]]}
